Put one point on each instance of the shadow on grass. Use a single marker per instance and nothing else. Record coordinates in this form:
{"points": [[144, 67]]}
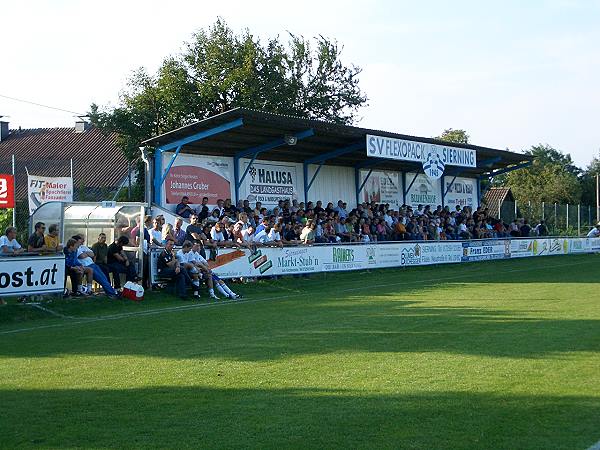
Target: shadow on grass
{"points": [[191, 417]]}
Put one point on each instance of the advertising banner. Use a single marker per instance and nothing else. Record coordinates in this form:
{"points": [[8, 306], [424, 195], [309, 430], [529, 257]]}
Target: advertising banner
{"points": [[267, 261], [29, 275], [382, 187], [48, 189], [197, 176], [462, 192], [486, 249], [424, 191], [7, 191], [405, 150], [270, 182]]}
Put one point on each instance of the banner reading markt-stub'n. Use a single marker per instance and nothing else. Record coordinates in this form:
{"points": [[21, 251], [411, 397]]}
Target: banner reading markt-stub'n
{"points": [[48, 189]]}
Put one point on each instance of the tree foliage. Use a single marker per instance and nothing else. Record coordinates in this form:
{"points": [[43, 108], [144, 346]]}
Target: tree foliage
{"points": [[456, 136], [551, 178], [219, 70], [588, 181]]}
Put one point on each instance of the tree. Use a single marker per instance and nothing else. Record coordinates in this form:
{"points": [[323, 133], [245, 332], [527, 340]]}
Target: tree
{"points": [[219, 70], [588, 181], [456, 136], [552, 177]]}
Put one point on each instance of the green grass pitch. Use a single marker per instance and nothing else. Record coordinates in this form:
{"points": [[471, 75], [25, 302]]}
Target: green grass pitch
{"points": [[491, 355]]}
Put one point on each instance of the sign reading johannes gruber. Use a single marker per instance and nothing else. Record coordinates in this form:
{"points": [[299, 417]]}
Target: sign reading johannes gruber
{"points": [[434, 157]]}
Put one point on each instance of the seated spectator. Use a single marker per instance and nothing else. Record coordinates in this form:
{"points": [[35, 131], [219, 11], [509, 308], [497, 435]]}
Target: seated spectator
{"points": [[183, 209], [218, 236], [307, 236], [183, 256], [76, 269], [9, 244], [36, 241], [212, 280], [167, 233], [263, 224], [275, 235], [203, 212], [214, 216], [85, 256], [118, 262], [51, 240], [262, 237], [168, 267], [178, 232]]}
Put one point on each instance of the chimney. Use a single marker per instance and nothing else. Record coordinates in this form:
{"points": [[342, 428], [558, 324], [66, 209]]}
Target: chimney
{"points": [[3, 131], [81, 126]]}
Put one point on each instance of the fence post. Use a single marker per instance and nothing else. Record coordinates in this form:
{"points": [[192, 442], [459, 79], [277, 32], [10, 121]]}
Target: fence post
{"points": [[515, 209], [499, 209], [590, 215], [579, 220], [543, 210], [555, 218], [567, 225]]}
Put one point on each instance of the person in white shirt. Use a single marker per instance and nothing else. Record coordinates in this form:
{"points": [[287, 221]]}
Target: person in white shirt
{"points": [[594, 232], [156, 236], [212, 280], [217, 235], [184, 257], [262, 237], [9, 244], [275, 235]]}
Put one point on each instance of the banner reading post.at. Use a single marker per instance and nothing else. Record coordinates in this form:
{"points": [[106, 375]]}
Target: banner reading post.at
{"points": [[48, 189]]}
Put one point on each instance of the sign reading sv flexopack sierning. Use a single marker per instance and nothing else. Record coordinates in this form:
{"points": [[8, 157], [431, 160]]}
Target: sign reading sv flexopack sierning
{"points": [[28, 275]]}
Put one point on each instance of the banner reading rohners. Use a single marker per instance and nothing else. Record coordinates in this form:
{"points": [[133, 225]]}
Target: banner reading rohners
{"points": [[48, 189]]}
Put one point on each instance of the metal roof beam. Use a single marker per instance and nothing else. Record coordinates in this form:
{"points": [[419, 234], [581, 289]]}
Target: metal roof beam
{"points": [[335, 153], [490, 162], [202, 135], [273, 144], [510, 169]]}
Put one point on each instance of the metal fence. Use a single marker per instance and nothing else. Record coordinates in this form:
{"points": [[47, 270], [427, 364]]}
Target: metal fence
{"points": [[561, 219]]}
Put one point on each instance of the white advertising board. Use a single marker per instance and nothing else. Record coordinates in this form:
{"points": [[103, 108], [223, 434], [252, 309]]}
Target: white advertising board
{"points": [[424, 191], [462, 192], [269, 182], [267, 261], [29, 275], [197, 176], [382, 187], [48, 189]]}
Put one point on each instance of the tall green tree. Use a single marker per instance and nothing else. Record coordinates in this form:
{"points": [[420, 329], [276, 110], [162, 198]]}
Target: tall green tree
{"points": [[588, 181], [551, 178], [219, 70], [456, 136]]}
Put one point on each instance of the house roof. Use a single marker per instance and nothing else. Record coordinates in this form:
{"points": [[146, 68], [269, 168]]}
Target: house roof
{"points": [[260, 128], [97, 161], [494, 197]]}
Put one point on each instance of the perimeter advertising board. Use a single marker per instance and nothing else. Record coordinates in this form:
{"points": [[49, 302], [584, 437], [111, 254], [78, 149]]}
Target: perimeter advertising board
{"points": [[424, 191], [197, 176], [30, 275], [382, 187], [268, 261]]}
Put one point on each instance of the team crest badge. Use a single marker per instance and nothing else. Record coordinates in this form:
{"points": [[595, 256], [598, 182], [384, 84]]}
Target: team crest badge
{"points": [[434, 166]]}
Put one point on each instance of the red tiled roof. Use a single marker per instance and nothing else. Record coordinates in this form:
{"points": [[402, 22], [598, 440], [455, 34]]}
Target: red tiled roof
{"points": [[97, 161], [494, 197]]}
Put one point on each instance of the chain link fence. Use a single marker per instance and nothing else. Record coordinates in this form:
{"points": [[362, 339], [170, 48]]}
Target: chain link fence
{"points": [[561, 219]]}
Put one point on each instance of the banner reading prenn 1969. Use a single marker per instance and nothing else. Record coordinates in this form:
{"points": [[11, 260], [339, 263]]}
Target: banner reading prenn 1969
{"points": [[29, 275], [48, 189]]}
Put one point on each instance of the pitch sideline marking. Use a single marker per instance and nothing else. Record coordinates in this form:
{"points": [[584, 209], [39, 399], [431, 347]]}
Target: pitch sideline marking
{"points": [[229, 302]]}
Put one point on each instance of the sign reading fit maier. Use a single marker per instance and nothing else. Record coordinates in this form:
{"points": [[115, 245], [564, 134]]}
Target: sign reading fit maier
{"points": [[382, 187], [48, 189], [434, 157], [424, 191], [196, 177], [268, 183]]}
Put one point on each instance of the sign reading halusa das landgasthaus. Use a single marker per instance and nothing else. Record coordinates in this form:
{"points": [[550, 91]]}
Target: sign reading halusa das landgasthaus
{"points": [[434, 157]]}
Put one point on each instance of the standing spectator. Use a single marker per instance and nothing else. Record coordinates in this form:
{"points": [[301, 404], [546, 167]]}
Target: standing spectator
{"points": [[36, 240], [183, 209], [118, 262], [541, 229], [156, 232], [51, 239], [178, 232], [168, 266], [525, 229], [9, 244], [100, 250]]}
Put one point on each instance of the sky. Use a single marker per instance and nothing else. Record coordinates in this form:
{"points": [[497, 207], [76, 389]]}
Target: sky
{"points": [[512, 74]]}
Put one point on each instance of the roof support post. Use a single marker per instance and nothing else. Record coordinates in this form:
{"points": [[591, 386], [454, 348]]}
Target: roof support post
{"points": [[159, 176], [253, 152], [417, 173], [362, 185], [308, 184], [478, 191]]}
